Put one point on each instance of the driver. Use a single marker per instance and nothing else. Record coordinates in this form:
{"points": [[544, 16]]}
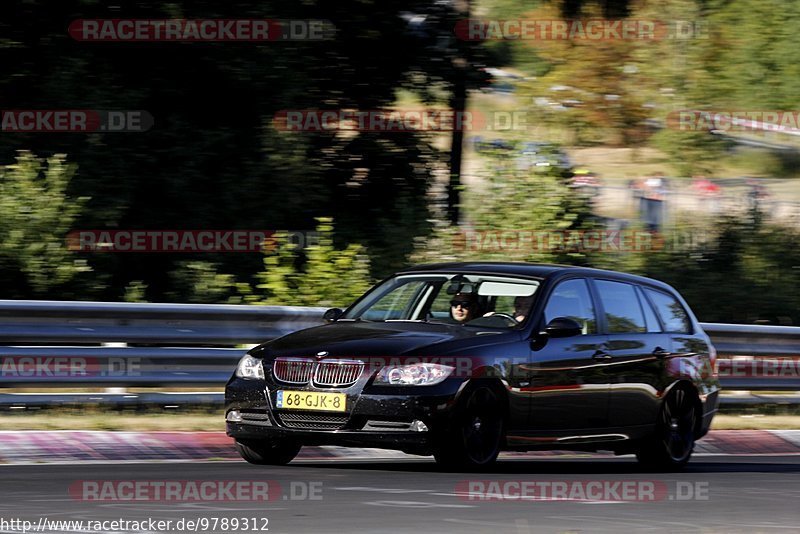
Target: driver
{"points": [[463, 307], [522, 306]]}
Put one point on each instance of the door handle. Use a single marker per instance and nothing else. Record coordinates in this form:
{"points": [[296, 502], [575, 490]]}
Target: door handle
{"points": [[660, 353], [601, 355]]}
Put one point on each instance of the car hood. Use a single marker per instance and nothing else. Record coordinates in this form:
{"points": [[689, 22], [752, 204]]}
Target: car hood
{"points": [[367, 339]]}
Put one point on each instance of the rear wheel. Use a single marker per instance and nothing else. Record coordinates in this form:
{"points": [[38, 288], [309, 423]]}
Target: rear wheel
{"points": [[267, 452], [672, 445], [475, 438]]}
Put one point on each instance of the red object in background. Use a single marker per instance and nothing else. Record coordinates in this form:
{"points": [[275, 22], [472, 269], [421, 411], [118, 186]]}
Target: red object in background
{"points": [[585, 180], [705, 186]]}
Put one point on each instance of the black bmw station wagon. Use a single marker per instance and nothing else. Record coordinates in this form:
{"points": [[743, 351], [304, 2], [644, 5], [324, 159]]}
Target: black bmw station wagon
{"points": [[464, 360]]}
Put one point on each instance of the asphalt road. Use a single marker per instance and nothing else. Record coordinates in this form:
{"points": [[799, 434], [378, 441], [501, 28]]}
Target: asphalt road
{"points": [[714, 494]]}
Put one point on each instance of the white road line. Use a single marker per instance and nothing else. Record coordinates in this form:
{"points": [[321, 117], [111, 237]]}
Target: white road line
{"points": [[381, 490], [415, 504]]}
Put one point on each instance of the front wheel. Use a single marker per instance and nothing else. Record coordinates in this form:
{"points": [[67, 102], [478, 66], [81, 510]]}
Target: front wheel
{"points": [[476, 435], [672, 445], [267, 452]]}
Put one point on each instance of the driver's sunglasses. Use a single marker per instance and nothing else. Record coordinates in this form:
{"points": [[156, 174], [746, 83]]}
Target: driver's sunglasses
{"points": [[463, 304]]}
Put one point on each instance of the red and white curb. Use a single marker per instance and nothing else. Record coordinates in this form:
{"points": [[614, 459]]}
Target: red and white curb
{"points": [[87, 446]]}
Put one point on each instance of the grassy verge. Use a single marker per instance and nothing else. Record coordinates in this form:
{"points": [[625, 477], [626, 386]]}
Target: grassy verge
{"points": [[755, 422], [205, 421]]}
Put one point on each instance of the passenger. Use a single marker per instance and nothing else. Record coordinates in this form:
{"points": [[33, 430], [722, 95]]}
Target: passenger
{"points": [[522, 307], [464, 307]]}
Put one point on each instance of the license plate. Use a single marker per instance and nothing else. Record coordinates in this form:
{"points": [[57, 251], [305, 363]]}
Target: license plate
{"points": [[311, 400]]}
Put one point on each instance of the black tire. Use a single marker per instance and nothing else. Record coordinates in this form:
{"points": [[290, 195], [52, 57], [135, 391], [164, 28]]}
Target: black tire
{"points": [[671, 447], [267, 453], [476, 435]]}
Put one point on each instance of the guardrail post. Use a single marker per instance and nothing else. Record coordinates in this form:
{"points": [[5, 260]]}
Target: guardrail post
{"points": [[117, 390]]}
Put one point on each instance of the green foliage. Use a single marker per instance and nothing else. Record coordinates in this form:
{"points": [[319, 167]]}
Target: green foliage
{"points": [[762, 162], [200, 282], [691, 152], [214, 157], [591, 87], [325, 276], [35, 216], [737, 271], [754, 44], [740, 57], [135, 292], [517, 201]]}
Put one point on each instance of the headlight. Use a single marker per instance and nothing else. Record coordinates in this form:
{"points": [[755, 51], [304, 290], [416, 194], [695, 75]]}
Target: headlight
{"points": [[418, 374], [250, 367]]}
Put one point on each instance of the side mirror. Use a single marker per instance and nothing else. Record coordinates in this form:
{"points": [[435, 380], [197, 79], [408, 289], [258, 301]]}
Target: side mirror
{"points": [[563, 327], [332, 315]]}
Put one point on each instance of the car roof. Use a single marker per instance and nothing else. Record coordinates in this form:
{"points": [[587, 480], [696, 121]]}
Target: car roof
{"points": [[535, 270]]}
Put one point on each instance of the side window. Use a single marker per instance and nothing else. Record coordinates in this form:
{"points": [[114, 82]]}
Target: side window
{"points": [[649, 315], [672, 314], [623, 312], [572, 299]]}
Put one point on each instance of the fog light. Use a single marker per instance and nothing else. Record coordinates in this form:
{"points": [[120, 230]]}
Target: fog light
{"points": [[234, 416], [418, 426]]}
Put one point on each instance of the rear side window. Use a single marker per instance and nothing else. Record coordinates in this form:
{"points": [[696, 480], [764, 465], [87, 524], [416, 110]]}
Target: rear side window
{"points": [[649, 315], [572, 299], [672, 314], [621, 304]]}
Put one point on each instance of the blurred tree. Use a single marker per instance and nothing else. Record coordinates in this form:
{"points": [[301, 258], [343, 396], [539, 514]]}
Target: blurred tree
{"points": [[519, 201], [201, 282], [213, 158], [319, 275], [735, 272], [35, 216], [591, 87]]}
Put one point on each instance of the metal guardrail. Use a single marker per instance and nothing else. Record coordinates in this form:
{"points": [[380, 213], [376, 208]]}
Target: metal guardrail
{"points": [[98, 344], [59, 344], [62, 322], [756, 357]]}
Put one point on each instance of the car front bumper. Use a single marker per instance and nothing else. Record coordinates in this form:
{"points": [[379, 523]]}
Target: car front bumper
{"points": [[410, 419]]}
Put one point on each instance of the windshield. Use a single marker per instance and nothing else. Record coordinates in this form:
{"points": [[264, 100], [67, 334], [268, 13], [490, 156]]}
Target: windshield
{"points": [[471, 300]]}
